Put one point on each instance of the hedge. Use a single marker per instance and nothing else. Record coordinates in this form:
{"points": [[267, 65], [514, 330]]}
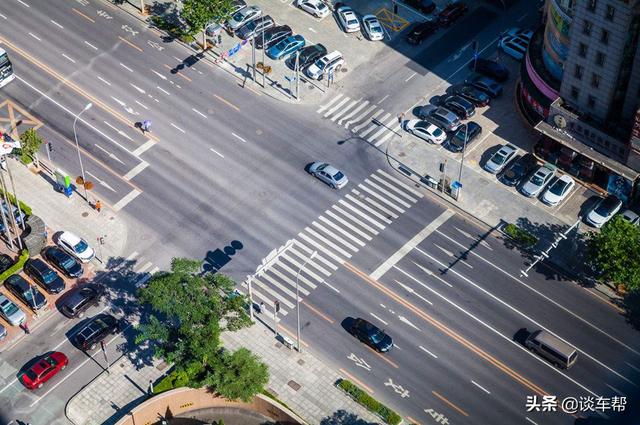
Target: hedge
{"points": [[520, 235], [176, 379], [24, 256], [26, 209], [388, 415]]}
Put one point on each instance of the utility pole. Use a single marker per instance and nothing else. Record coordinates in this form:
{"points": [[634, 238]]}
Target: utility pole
{"points": [[12, 217], [297, 74], [253, 57], [464, 148], [276, 309], [84, 180], [263, 59], [15, 195], [106, 359], [311, 257]]}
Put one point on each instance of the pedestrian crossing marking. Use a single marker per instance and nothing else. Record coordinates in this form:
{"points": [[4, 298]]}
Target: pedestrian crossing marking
{"points": [[374, 126], [378, 206], [369, 209], [291, 283], [327, 241], [341, 230], [386, 192], [337, 115], [306, 271], [382, 128], [311, 262], [363, 215], [322, 108], [271, 292], [318, 256], [386, 201], [390, 134], [349, 225], [366, 122], [332, 110], [392, 187], [360, 117], [401, 184], [277, 284], [355, 111], [321, 248], [334, 236]]}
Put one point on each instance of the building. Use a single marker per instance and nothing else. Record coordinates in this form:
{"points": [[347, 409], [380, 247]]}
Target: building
{"points": [[580, 87]]}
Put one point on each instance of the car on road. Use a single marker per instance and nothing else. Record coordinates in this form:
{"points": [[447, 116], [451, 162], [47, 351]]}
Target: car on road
{"points": [[451, 13], [255, 27], [371, 335], [501, 158], [286, 47], [372, 28], [272, 35], [316, 8], [329, 63], [62, 261], [77, 302], [328, 174], [5, 262], [630, 217], [44, 275], [516, 47], [95, 330], [462, 107], [348, 19], [307, 56], [43, 370], [520, 167], [470, 131], [10, 312], [26, 292], [491, 69], [537, 181], [243, 16], [486, 84], [420, 32], [472, 94], [426, 131], [558, 190], [442, 117], [76, 246], [422, 6], [604, 210]]}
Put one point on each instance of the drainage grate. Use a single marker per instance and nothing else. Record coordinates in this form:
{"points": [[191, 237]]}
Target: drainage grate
{"points": [[293, 384], [301, 362]]}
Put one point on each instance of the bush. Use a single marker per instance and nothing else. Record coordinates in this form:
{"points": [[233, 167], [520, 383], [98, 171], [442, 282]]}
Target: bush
{"points": [[174, 30], [388, 415], [521, 236], [26, 209], [176, 379], [24, 256], [30, 141]]}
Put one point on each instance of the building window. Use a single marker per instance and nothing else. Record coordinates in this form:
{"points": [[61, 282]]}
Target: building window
{"points": [[610, 12], [586, 29], [591, 102], [600, 58], [604, 37], [575, 92], [582, 50], [578, 72], [595, 80], [591, 5]]}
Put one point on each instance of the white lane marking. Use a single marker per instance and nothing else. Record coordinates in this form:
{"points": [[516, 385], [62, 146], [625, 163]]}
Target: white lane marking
{"points": [[520, 19], [90, 45], [412, 291], [198, 112], [142, 104], [616, 390], [394, 188], [354, 219], [386, 192], [216, 152], [159, 75], [34, 36], [449, 253], [360, 117], [121, 103], [372, 125], [335, 108], [327, 283], [120, 132], [321, 247], [138, 88], [163, 90], [103, 80], [381, 198], [341, 230], [480, 386], [312, 30], [318, 256], [361, 214], [369, 209], [427, 351], [126, 67], [136, 170], [56, 24], [327, 242], [128, 198], [331, 102], [396, 346], [344, 110], [112, 156], [382, 100], [334, 236], [23, 3], [379, 319], [178, 59], [408, 322], [349, 225], [632, 367], [367, 121], [353, 112], [238, 137], [411, 76], [177, 128], [429, 272], [401, 184], [545, 297], [534, 423]]}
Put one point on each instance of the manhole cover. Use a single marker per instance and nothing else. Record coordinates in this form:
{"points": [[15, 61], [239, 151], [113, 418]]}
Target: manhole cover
{"points": [[301, 362], [121, 364], [293, 384], [85, 214]]}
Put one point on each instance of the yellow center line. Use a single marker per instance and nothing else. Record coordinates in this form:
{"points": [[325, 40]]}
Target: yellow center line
{"points": [[449, 403], [83, 15], [178, 73], [131, 44], [316, 311], [227, 102], [356, 380]]}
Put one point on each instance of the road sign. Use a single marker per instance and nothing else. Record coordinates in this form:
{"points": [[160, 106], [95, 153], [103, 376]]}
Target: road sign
{"points": [[456, 185]]}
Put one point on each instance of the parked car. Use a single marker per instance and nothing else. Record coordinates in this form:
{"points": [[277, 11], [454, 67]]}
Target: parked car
{"points": [[558, 190], [486, 84], [286, 47], [307, 56], [371, 335], [470, 131], [331, 62], [519, 32], [426, 131], [630, 217], [3, 332], [255, 27], [472, 94], [76, 246], [18, 214], [519, 168], [348, 19], [63, 261], [500, 159], [371, 28], [95, 330], [328, 174], [421, 32], [462, 107], [516, 47], [77, 302], [422, 6], [25, 292], [451, 13], [272, 35], [442, 117], [5, 262], [537, 181], [11, 312], [490, 68], [315, 7], [604, 210], [243, 16], [43, 370], [44, 275]]}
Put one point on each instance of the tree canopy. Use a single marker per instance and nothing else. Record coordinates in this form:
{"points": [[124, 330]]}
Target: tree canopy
{"points": [[198, 13]]}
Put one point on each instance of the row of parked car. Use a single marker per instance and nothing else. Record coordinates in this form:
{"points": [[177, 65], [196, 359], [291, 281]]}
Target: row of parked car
{"points": [[421, 31]]}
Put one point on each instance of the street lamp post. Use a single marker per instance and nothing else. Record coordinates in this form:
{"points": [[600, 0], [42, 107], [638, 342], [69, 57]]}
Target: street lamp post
{"points": [[311, 257], [84, 180], [464, 149]]}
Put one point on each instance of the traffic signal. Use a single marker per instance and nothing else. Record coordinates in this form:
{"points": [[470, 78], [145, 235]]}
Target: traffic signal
{"points": [[50, 146]]}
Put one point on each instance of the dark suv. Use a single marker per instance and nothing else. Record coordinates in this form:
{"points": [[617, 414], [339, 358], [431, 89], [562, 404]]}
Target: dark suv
{"points": [[371, 335], [421, 32], [95, 330], [452, 13], [44, 275], [27, 293], [77, 302], [422, 6]]}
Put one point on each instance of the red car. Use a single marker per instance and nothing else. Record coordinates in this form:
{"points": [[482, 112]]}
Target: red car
{"points": [[43, 370]]}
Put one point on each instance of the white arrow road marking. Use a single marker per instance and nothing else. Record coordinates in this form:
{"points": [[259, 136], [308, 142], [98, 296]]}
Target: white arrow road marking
{"points": [[430, 273], [405, 320], [382, 321], [411, 291], [102, 182], [112, 156]]}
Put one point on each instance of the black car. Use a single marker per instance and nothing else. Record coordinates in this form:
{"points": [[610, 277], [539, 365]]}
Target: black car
{"points": [[307, 56], [463, 108], [78, 301], [44, 275], [255, 27], [5, 262], [472, 94], [422, 6], [452, 13], [95, 330], [519, 168], [28, 294], [62, 261], [371, 335], [490, 68], [457, 143], [485, 84], [273, 35], [421, 32]]}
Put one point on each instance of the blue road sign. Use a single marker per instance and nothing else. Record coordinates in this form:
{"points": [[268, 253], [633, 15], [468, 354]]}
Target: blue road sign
{"points": [[456, 185]]}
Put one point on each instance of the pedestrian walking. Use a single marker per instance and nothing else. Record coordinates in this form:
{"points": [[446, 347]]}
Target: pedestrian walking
{"points": [[98, 205], [401, 117], [261, 307], [25, 328], [146, 126]]}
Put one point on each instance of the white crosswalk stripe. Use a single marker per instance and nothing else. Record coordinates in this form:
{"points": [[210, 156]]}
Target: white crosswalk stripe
{"points": [[385, 210], [360, 117], [344, 110], [366, 122], [375, 126], [332, 110], [335, 99], [382, 128], [358, 108], [392, 187], [371, 210]]}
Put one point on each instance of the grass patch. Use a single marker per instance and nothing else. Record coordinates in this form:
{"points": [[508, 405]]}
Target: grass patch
{"points": [[24, 256], [519, 235], [360, 396]]}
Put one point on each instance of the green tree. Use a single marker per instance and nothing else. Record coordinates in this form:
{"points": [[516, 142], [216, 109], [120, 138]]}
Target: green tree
{"points": [[30, 141], [199, 13], [615, 251], [240, 375]]}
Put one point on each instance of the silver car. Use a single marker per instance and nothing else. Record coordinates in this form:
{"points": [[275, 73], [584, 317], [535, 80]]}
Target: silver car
{"points": [[329, 174], [537, 181], [243, 16], [348, 19], [442, 117], [500, 159], [11, 312]]}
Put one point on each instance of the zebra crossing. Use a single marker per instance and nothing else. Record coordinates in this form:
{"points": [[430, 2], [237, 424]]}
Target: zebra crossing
{"points": [[142, 269], [336, 235], [358, 115]]}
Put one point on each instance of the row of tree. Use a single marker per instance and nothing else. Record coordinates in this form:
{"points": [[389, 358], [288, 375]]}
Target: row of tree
{"points": [[197, 14]]}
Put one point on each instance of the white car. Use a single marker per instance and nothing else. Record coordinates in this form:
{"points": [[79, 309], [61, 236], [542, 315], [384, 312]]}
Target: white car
{"points": [[604, 210], [11, 312], [500, 159], [331, 62], [537, 181], [372, 28], [243, 16], [558, 190], [427, 131], [514, 46], [315, 7], [348, 19], [76, 246]]}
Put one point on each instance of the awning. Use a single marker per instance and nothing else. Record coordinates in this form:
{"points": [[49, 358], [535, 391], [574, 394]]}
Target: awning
{"points": [[597, 157]]}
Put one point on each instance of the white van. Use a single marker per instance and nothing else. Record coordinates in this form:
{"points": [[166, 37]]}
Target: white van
{"points": [[553, 349]]}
